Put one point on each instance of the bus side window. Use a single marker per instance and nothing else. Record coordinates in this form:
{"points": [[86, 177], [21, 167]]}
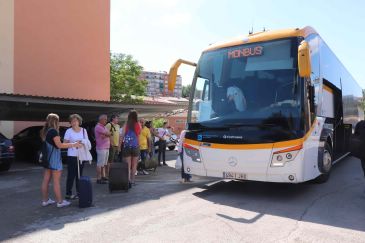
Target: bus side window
{"points": [[202, 99], [206, 91]]}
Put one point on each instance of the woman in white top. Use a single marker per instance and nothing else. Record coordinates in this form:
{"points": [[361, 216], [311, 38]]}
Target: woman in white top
{"points": [[74, 134]]}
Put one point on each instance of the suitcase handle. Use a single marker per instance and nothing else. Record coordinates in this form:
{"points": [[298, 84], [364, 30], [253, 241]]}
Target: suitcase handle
{"points": [[78, 167]]}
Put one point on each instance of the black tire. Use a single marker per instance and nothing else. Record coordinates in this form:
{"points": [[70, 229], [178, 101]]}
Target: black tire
{"points": [[171, 148], [5, 166], [325, 164]]}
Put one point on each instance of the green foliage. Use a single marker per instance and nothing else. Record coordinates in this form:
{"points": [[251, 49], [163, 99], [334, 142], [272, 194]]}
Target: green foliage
{"points": [[125, 85], [186, 91], [158, 122]]}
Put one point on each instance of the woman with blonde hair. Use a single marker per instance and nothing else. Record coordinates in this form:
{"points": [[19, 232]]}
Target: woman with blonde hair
{"points": [[50, 135]]}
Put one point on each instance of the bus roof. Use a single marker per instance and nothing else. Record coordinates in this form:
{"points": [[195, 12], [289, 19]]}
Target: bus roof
{"points": [[263, 36]]}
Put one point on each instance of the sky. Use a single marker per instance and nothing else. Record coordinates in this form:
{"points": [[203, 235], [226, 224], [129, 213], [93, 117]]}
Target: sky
{"points": [[157, 32]]}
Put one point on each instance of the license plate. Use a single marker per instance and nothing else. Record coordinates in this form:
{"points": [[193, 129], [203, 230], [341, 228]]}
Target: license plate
{"points": [[234, 175]]}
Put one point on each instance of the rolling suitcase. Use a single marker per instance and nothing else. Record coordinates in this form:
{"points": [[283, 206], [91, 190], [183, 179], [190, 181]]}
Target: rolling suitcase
{"points": [[85, 190], [118, 177]]}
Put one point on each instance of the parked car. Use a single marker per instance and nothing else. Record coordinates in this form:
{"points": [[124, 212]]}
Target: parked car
{"points": [[6, 153], [28, 144]]}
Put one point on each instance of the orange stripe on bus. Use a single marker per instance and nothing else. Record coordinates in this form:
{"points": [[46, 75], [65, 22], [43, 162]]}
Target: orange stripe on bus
{"points": [[290, 143], [297, 147], [263, 36], [325, 87]]}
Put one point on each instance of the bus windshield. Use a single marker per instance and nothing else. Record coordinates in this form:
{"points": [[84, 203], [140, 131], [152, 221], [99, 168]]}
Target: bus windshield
{"points": [[248, 84]]}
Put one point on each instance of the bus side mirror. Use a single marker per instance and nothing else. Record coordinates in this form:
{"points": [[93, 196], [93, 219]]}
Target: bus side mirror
{"points": [[173, 73], [304, 60]]}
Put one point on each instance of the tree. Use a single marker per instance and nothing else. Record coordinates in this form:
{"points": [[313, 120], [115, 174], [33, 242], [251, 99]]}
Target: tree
{"points": [[186, 91], [125, 84], [158, 122]]}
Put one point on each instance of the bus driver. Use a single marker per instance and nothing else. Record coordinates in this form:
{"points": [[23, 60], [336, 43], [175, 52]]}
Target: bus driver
{"points": [[235, 94]]}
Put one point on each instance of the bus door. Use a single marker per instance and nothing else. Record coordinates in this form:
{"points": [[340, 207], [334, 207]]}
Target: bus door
{"points": [[338, 126]]}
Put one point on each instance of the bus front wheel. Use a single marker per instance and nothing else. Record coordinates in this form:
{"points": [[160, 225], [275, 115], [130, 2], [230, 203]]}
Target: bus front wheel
{"points": [[325, 164]]}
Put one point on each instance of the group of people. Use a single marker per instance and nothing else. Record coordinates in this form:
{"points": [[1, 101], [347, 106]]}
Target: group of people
{"points": [[132, 142], [114, 142]]}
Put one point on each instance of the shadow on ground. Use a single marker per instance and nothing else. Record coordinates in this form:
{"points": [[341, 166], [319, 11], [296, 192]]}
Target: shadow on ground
{"points": [[20, 198], [340, 202]]}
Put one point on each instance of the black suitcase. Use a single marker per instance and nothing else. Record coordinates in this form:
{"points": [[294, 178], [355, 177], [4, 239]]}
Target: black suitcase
{"points": [[85, 190], [118, 177]]}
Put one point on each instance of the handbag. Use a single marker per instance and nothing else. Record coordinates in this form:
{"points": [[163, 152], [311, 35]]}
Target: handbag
{"points": [[150, 162], [178, 163], [44, 155], [357, 146]]}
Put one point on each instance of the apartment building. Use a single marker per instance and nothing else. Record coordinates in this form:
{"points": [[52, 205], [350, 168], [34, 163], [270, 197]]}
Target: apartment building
{"points": [[157, 84], [56, 49]]}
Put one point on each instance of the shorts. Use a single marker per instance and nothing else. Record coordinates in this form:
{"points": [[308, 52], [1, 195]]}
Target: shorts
{"points": [[102, 157], [55, 165], [113, 152], [131, 152]]}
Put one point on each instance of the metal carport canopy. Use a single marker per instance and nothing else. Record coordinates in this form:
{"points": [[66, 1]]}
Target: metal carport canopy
{"points": [[14, 107]]}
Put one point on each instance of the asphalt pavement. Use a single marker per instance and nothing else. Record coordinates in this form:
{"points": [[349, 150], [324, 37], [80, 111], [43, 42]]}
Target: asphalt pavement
{"points": [[160, 209]]}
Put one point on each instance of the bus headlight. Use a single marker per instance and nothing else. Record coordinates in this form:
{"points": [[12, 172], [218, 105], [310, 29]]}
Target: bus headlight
{"points": [[192, 152], [281, 157]]}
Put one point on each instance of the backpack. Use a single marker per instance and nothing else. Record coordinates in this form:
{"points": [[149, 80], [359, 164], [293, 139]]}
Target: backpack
{"points": [[130, 139], [112, 128]]}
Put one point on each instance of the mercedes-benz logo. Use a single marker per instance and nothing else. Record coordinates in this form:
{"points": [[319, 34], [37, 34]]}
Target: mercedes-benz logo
{"points": [[232, 161]]}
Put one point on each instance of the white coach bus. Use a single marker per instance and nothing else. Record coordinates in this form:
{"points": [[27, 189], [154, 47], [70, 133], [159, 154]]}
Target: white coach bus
{"points": [[275, 106]]}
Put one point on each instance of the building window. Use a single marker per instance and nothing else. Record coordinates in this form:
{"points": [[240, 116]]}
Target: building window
{"points": [[180, 121]]}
